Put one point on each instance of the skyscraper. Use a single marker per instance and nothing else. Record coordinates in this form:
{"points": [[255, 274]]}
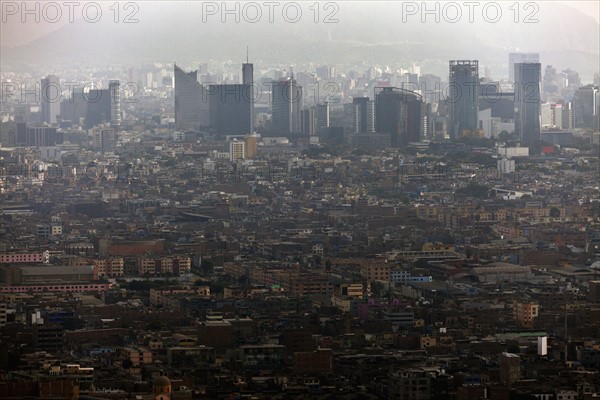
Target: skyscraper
{"points": [[431, 87], [308, 121], [322, 116], [286, 102], [230, 109], [247, 73], [586, 107], [363, 118], [527, 102], [115, 103], [248, 79], [518, 58], [99, 107], [50, 98], [21, 136], [191, 102], [463, 97], [399, 112], [75, 108]]}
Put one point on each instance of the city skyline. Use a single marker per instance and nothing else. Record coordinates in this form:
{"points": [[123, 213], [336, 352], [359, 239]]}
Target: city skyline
{"points": [[353, 200]]}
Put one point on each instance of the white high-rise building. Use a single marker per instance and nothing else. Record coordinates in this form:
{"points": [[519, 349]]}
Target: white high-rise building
{"points": [[237, 150], [506, 166], [542, 345], [557, 115], [546, 111]]}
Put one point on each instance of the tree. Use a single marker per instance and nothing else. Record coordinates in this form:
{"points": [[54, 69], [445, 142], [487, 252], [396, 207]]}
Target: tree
{"points": [[217, 288], [317, 259], [513, 348], [554, 212], [474, 190], [243, 279], [377, 288], [207, 267], [171, 162], [70, 159]]}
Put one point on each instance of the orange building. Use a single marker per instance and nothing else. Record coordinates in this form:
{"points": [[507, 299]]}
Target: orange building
{"points": [[525, 314]]}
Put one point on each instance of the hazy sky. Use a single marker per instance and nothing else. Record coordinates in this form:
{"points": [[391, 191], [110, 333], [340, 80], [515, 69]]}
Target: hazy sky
{"points": [[16, 33], [589, 7], [564, 33]]}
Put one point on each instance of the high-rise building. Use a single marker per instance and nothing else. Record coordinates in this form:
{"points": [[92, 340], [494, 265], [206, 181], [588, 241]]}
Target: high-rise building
{"points": [[431, 87], [525, 314], [247, 73], [104, 138], [399, 113], [191, 102], [115, 103], [325, 72], [38, 136], [21, 136], [557, 116], [322, 116], [251, 145], [567, 115], [542, 345], [237, 150], [518, 58], [230, 109], [550, 85], [363, 118], [231, 106], [103, 106], [546, 115], [308, 121], [551, 115], [571, 80], [510, 368], [586, 107], [463, 97], [22, 113], [75, 108], [496, 109], [286, 102], [527, 102], [99, 108], [502, 102], [248, 79], [410, 81], [50, 98]]}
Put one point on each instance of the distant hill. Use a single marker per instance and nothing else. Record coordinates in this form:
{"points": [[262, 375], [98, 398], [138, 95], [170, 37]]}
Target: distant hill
{"points": [[372, 32]]}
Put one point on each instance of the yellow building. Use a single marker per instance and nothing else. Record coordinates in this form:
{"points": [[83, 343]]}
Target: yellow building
{"points": [[251, 145]]}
